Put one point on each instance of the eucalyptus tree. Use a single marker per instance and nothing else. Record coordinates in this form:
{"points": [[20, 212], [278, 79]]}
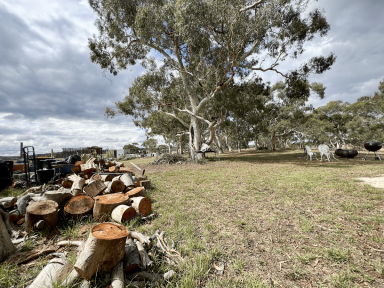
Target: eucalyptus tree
{"points": [[207, 43]]}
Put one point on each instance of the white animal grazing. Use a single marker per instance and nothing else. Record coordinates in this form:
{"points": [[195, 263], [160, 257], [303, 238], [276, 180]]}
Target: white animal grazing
{"points": [[324, 150], [310, 154]]}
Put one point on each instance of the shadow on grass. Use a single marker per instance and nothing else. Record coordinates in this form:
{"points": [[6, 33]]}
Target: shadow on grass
{"points": [[295, 157]]}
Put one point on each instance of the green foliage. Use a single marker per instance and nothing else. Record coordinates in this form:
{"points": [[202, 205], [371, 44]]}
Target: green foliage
{"points": [[133, 149]]}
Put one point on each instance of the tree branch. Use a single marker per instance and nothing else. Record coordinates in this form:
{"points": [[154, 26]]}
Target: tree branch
{"points": [[254, 5]]}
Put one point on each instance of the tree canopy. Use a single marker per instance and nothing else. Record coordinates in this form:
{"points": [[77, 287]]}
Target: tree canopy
{"points": [[204, 45]]}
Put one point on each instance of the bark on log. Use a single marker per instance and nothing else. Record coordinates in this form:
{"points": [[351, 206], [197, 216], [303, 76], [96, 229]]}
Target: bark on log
{"points": [[128, 181], [78, 206], [118, 276], [6, 246], [145, 261], [95, 188], [5, 216], [71, 278], [53, 273], [24, 257], [103, 250], [123, 213], [59, 196], [46, 210], [105, 204], [14, 215], [137, 192], [145, 183], [131, 256], [117, 185], [142, 205], [88, 167], [8, 202], [108, 189], [113, 169], [107, 178]]}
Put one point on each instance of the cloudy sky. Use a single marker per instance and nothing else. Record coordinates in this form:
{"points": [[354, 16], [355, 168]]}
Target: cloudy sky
{"points": [[52, 96]]}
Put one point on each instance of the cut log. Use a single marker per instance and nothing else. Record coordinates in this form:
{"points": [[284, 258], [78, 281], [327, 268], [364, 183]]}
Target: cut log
{"points": [[5, 216], [78, 207], [8, 202], [88, 167], [14, 215], [90, 160], [53, 273], [46, 210], [6, 246], [128, 181], [85, 176], [145, 261], [113, 169], [22, 203], [131, 256], [77, 186], [117, 185], [127, 170], [105, 204], [95, 188], [107, 178], [67, 184], [78, 163], [145, 183], [103, 250], [70, 243], [137, 192], [117, 280], [123, 213], [76, 169], [142, 205], [95, 177], [59, 196]]}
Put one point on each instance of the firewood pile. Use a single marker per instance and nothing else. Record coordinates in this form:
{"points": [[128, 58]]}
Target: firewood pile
{"points": [[111, 195], [170, 159]]}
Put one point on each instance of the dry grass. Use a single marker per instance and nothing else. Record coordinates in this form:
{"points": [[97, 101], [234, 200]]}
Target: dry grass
{"points": [[274, 219]]}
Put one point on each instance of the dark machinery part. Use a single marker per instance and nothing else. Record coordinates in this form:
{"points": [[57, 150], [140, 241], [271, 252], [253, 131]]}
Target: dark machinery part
{"points": [[29, 155], [6, 168], [373, 146], [346, 153]]}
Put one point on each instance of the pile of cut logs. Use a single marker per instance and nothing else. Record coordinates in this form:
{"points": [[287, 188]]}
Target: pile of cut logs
{"points": [[112, 195]]}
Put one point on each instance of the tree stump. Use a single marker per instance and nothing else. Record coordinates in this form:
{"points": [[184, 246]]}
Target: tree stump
{"points": [[145, 183], [137, 192], [107, 178], [123, 213], [105, 204], [78, 206], [103, 250], [6, 246], [46, 210], [95, 188], [142, 205]]}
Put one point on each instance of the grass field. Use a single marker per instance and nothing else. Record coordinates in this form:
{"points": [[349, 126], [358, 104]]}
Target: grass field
{"points": [[273, 219]]}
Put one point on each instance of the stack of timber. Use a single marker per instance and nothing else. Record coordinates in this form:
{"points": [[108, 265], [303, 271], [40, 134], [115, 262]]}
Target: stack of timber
{"points": [[111, 199]]}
